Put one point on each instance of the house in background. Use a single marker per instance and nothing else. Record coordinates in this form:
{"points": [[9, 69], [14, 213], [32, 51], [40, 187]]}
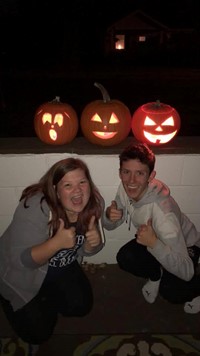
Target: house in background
{"points": [[138, 36]]}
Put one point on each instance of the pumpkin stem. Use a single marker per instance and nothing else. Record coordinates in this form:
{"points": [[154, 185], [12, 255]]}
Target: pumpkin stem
{"points": [[57, 99], [106, 96], [157, 103]]}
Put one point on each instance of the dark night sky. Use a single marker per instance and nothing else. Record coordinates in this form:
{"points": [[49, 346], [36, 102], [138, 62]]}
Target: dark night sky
{"points": [[30, 29], [46, 35]]}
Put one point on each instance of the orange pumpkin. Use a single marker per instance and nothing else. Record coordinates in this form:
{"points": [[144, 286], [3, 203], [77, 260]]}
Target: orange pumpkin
{"points": [[155, 123], [105, 122], [56, 123]]}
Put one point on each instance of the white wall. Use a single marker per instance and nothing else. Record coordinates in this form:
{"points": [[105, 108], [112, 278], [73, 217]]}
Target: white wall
{"points": [[180, 172]]}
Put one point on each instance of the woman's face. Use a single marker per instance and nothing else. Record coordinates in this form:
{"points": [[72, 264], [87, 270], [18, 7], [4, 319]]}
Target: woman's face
{"points": [[73, 191]]}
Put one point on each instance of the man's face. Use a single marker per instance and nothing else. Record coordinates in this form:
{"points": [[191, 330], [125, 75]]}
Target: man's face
{"points": [[135, 178]]}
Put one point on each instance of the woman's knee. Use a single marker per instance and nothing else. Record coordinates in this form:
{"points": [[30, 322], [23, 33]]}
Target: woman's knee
{"points": [[77, 309], [35, 336], [34, 332], [35, 322]]}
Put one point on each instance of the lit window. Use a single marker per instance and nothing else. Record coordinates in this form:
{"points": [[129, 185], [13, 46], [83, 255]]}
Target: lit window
{"points": [[120, 42], [142, 38]]}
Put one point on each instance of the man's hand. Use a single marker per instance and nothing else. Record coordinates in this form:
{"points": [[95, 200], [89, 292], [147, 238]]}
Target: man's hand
{"points": [[146, 235], [113, 213]]}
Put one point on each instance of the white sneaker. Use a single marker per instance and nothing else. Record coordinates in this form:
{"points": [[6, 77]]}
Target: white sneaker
{"points": [[192, 307], [150, 290]]}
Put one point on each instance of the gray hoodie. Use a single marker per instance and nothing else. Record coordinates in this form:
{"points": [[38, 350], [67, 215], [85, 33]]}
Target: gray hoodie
{"points": [[175, 232]]}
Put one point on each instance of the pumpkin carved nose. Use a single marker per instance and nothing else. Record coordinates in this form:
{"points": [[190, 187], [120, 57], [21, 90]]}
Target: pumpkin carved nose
{"points": [[159, 128], [105, 127]]}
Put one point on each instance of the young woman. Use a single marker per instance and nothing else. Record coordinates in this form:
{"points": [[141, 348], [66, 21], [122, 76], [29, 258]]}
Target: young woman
{"points": [[57, 222]]}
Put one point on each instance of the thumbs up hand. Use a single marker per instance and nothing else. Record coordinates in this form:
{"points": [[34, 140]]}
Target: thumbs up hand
{"points": [[113, 204], [66, 238], [93, 237], [91, 225], [146, 235], [113, 213]]}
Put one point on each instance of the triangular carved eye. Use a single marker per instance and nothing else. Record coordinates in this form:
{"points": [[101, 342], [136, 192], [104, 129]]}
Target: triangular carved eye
{"points": [[149, 122], [58, 119], [168, 122], [47, 117], [113, 119], [96, 118]]}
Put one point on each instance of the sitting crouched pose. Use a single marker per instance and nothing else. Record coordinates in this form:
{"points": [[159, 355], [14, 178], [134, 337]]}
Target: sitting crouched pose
{"points": [[166, 247], [57, 221]]}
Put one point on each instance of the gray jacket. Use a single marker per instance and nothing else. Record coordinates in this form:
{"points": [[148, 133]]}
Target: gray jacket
{"points": [[20, 277]]}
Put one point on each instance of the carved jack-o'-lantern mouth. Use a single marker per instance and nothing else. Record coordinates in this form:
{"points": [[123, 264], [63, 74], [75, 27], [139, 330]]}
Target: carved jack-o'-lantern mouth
{"points": [[53, 134], [104, 135], [159, 138]]}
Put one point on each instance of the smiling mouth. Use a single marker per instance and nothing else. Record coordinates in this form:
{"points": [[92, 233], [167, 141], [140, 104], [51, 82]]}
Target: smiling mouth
{"points": [[132, 187], [104, 135], [159, 138], [77, 200]]}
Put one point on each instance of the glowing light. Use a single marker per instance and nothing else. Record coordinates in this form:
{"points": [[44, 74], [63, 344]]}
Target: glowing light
{"points": [[58, 119], [159, 138], [47, 117], [104, 135]]}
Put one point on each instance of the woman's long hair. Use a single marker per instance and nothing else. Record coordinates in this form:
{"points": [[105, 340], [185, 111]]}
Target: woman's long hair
{"points": [[47, 185]]}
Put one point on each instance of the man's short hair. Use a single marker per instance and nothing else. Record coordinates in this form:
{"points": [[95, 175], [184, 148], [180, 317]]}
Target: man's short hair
{"points": [[139, 151]]}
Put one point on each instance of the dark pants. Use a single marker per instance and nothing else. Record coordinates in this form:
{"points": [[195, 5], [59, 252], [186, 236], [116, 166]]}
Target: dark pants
{"points": [[135, 258], [70, 295]]}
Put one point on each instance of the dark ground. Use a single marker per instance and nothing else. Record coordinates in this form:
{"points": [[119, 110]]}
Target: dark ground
{"points": [[21, 92], [120, 308]]}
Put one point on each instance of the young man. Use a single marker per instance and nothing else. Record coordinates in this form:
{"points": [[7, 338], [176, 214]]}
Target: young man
{"points": [[166, 247]]}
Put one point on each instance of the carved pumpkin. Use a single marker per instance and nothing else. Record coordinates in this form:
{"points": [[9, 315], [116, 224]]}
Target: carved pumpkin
{"points": [[56, 123], [105, 122], [155, 123]]}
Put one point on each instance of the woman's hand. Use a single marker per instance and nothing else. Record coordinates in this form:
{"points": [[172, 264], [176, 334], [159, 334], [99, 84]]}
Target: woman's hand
{"points": [[93, 237], [64, 238]]}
